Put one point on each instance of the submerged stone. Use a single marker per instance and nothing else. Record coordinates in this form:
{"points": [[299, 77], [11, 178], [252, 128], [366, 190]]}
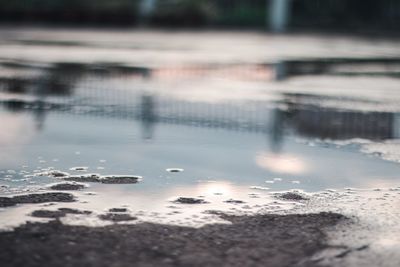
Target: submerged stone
{"points": [[36, 198], [118, 210], [54, 173], [89, 178], [61, 212], [190, 200], [292, 196], [174, 170], [234, 201], [117, 217], [108, 179], [67, 186], [82, 169], [259, 188], [120, 179]]}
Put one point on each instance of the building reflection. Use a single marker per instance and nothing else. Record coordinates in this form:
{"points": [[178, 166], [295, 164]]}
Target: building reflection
{"points": [[298, 114], [148, 116], [337, 66], [314, 121]]}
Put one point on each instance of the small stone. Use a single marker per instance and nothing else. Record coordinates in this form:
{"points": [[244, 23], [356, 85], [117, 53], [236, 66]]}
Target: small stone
{"points": [[292, 196], [116, 217], [190, 200], [67, 186], [118, 210]]}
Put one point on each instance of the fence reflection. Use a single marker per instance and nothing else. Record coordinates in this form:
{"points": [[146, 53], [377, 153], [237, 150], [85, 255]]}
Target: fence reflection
{"points": [[86, 90]]}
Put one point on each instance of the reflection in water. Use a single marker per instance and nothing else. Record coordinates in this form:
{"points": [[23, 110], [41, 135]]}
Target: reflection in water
{"points": [[60, 79], [224, 188], [220, 144], [297, 113], [148, 116], [277, 130], [40, 114], [68, 87], [389, 67], [312, 120], [282, 163]]}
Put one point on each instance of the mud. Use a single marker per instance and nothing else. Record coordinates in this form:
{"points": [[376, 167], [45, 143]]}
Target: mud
{"points": [[118, 210], [61, 212], [234, 201], [111, 179], [54, 173], [291, 196], [67, 186], [262, 240], [36, 198], [117, 217], [190, 200], [120, 179], [88, 178]]}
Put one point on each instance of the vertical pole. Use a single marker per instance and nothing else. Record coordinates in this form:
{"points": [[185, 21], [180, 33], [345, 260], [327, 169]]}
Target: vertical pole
{"points": [[396, 126], [146, 8], [279, 12]]}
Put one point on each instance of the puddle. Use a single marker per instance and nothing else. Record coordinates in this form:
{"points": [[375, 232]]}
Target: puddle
{"points": [[158, 135]]}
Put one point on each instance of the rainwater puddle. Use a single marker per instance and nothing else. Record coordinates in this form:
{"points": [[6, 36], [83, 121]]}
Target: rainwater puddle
{"points": [[218, 136]]}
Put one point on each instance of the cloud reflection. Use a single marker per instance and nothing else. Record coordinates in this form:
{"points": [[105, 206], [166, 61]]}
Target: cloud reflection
{"points": [[281, 163]]}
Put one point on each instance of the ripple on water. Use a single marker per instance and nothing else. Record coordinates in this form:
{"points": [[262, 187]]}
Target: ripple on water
{"points": [[174, 170]]}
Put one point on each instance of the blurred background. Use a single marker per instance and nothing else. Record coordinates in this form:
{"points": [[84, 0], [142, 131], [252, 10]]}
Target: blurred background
{"points": [[349, 15], [243, 90]]}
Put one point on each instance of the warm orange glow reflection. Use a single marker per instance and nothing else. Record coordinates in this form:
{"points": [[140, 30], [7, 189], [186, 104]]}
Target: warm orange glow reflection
{"points": [[237, 72], [213, 188], [281, 163]]}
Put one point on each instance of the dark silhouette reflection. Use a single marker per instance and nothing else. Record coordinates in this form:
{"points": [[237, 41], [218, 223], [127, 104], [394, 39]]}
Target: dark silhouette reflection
{"points": [[329, 123], [112, 69], [14, 85], [298, 113], [277, 130], [57, 79], [148, 116], [61, 78], [338, 66], [14, 105], [39, 114]]}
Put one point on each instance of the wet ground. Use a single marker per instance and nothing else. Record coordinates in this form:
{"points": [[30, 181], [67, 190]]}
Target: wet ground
{"points": [[131, 130]]}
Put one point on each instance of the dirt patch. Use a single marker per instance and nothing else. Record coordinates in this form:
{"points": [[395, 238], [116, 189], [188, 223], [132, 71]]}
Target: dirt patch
{"points": [[36, 198], [291, 196], [234, 201], [117, 217], [120, 179], [67, 186], [263, 240], [61, 212], [88, 178], [189, 200], [118, 210], [54, 173], [111, 179]]}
